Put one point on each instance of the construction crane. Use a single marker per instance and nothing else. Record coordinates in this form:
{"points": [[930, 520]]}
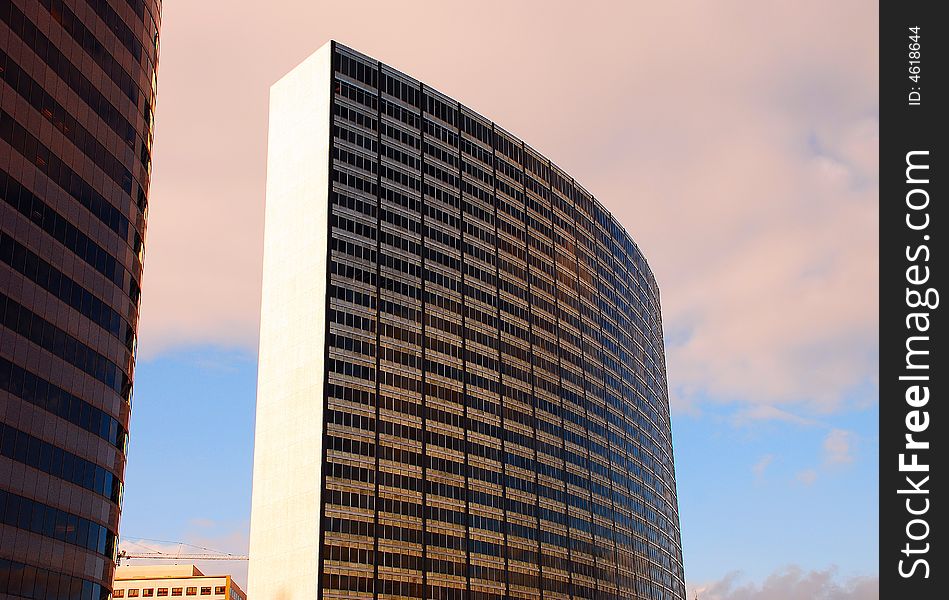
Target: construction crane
{"points": [[124, 555], [152, 554]]}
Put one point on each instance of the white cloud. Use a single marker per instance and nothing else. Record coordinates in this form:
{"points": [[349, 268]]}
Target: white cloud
{"points": [[791, 583]]}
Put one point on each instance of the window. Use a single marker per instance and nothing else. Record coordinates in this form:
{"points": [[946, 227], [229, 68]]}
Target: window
{"points": [[118, 593], [175, 591], [206, 591], [162, 591], [148, 592], [219, 589], [133, 593], [192, 591]]}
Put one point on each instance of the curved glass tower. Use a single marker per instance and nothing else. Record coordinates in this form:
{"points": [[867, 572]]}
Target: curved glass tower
{"points": [[77, 95], [462, 390]]}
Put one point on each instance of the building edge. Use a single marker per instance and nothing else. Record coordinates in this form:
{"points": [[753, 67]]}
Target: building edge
{"points": [[285, 518]]}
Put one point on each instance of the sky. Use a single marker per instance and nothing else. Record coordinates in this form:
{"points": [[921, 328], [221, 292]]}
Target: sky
{"points": [[737, 143]]}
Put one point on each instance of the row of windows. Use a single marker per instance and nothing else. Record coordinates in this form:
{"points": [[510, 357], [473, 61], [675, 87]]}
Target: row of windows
{"points": [[409, 269], [49, 53], [410, 535], [33, 516], [163, 591], [396, 560], [29, 264], [359, 205], [353, 296], [394, 197], [358, 70], [409, 181], [495, 477], [411, 161], [55, 113], [357, 94], [44, 334], [354, 116], [75, 27], [346, 271], [354, 321], [355, 181], [400, 135], [48, 458], [55, 400], [36, 583], [145, 14], [405, 117], [56, 169], [353, 226], [369, 143], [408, 93], [67, 234], [121, 31], [437, 131], [359, 161]]}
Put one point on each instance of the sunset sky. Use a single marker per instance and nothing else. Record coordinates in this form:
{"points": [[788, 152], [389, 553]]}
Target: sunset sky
{"points": [[736, 141]]}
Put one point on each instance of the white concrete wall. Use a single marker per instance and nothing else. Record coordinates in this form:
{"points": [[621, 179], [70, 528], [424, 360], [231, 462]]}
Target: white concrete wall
{"points": [[285, 515]]}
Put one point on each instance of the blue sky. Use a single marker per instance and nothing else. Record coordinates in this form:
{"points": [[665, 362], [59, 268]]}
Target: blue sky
{"points": [[189, 469]]}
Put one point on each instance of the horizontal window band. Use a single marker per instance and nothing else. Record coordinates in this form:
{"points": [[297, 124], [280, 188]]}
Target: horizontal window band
{"points": [[36, 210], [94, 49], [19, 580], [54, 112], [44, 334], [33, 267], [37, 391], [50, 54], [36, 517], [122, 32], [68, 180], [53, 460]]}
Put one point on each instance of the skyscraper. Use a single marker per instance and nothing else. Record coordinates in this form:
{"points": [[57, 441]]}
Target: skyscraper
{"points": [[462, 389], [76, 102]]}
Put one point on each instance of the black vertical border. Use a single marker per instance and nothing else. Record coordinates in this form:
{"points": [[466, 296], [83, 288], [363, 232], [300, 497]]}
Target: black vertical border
{"points": [[907, 126]]}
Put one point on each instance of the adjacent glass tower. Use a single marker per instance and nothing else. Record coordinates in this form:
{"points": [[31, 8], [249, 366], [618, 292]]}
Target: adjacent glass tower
{"points": [[77, 95], [462, 390]]}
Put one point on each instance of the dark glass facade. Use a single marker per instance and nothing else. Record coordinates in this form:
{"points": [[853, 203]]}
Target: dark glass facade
{"points": [[496, 409], [77, 98]]}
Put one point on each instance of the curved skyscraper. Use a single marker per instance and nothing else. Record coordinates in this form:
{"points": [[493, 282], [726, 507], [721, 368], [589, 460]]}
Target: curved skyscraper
{"points": [[77, 95], [462, 388]]}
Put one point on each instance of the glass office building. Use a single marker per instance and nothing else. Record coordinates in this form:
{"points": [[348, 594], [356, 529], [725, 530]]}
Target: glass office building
{"points": [[77, 95], [462, 389]]}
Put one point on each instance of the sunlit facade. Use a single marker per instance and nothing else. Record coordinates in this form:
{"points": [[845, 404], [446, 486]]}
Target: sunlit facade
{"points": [[462, 389], [158, 581], [77, 95]]}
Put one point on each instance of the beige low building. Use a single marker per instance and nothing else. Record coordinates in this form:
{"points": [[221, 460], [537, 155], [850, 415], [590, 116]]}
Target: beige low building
{"points": [[182, 581]]}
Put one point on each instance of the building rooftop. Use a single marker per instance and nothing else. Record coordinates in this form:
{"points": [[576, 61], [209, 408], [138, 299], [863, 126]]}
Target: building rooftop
{"points": [[157, 572]]}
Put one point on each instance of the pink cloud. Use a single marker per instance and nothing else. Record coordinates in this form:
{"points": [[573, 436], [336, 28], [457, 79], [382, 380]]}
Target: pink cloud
{"points": [[762, 465], [838, 447], [736, 142], [807, 477], [763, 412]]}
